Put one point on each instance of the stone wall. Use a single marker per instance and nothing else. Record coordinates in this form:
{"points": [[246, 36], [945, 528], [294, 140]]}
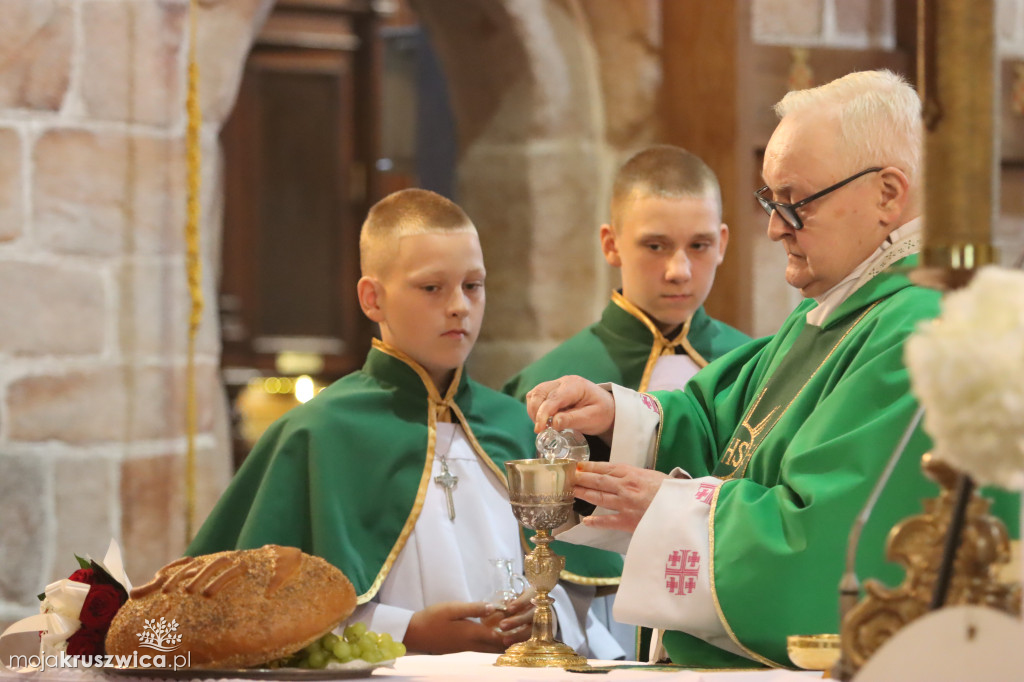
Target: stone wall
{"points": [[93, 301], [93, 298]]}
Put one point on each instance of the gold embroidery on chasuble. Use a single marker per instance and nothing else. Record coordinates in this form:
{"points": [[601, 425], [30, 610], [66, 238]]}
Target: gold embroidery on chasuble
{"points": [[783, 387], [746, 439]]}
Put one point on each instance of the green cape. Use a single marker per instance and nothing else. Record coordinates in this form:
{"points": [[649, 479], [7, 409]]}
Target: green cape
{"points": [[618, 348], [344, 475]]}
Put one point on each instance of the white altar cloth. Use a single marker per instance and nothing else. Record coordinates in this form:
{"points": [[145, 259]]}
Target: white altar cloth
{"points": [[466, 666]]}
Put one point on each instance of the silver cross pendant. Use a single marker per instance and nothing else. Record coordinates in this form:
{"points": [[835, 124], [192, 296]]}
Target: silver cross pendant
{"points": [[446, 479]]}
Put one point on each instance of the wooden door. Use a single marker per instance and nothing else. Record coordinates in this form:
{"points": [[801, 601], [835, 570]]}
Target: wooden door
{"points": [[299, 152]]}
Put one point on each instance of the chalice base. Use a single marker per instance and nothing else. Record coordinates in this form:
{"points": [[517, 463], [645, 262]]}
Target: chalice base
{"points": [[536, 653]]}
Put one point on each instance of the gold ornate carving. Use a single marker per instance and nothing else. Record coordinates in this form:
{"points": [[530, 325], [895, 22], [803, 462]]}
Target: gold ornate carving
{"points": [[917, 544]]}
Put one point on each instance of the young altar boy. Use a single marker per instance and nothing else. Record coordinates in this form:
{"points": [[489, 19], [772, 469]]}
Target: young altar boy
{"points": [[395, 472], [667, 238]]}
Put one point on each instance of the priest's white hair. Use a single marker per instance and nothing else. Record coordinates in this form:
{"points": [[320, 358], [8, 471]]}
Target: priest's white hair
{"points": [[879, 117]]}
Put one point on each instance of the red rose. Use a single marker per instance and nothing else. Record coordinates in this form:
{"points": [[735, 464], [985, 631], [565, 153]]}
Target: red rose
{"points": [[99, 607], [83, 575], [86, 642]]}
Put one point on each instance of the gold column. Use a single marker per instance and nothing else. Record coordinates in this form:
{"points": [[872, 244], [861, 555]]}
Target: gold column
{"points": [[958, 89]]}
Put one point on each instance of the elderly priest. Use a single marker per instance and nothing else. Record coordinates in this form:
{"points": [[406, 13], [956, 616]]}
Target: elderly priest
{"points": [[735, 497]]}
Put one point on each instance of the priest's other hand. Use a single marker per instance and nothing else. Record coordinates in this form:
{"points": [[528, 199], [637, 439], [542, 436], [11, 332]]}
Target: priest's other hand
{"points": [[447, 628], [621, 488], [572, 402]]}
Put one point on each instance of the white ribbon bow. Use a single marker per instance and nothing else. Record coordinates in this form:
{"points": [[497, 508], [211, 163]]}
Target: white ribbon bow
{"points": [[59, 611]]}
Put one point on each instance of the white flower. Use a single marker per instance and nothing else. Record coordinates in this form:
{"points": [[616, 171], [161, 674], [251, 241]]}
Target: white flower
{"points": [[967, 369]]}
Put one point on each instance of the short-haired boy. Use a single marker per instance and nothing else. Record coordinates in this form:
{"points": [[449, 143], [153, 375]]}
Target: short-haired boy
{"points": [[667, 238], [394, 473]]}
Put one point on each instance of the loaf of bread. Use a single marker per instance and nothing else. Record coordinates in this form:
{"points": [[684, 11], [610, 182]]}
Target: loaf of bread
{"points": [[234, 609]]}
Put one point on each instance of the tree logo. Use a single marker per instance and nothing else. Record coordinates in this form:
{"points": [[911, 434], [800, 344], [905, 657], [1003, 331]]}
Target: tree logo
{"points": [[159, 634]]}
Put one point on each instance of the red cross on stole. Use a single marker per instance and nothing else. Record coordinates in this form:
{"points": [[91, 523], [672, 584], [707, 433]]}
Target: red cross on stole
{"points": [[681, 571]]}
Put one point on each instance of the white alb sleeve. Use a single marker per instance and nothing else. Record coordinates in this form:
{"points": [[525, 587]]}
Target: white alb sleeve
{"points": [[634, 439], [635, 433], [666, 580]]}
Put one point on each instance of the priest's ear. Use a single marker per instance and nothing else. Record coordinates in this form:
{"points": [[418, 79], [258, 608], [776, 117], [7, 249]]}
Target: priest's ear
{"points": [[894, 196], [371, 295]]}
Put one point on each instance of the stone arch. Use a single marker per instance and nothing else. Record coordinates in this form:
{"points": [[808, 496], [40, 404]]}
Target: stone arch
{"points": [[536, 150]]}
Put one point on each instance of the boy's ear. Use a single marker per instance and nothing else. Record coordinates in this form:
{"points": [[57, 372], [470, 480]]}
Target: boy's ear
{"points": [[370, 294], [723, 241], [609, 247]]}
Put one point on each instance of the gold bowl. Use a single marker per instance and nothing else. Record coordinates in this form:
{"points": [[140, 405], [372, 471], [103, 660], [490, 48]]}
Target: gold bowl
{"points": [[813, 652]]}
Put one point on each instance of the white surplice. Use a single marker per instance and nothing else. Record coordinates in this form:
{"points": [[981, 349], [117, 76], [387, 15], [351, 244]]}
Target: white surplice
{"points": [[449, 560]]}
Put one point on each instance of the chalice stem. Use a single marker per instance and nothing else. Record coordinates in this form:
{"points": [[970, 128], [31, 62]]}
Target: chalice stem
{"points": [[543, 622], [542, 570]]}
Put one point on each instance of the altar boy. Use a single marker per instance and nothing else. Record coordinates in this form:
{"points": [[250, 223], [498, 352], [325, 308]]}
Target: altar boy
{"points": [[666, 237], [395, 473]]}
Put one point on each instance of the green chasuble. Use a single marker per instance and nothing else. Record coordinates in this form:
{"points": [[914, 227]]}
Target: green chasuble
{"points": [[800, 426], [623, 346], [344, 475]]}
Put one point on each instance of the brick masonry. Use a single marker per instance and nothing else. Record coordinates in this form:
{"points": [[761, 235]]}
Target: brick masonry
{"points": [[93, 305]]}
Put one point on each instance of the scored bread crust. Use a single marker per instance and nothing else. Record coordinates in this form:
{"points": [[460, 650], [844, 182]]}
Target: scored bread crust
{"points": [[236, 609]]}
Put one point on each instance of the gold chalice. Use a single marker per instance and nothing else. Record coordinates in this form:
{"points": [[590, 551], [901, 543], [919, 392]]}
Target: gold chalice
{"points": [[540, 491]]}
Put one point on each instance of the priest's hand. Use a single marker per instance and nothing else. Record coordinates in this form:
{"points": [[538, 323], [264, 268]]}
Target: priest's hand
{"points": [[621, 488], [572, 402], [447, 627]]}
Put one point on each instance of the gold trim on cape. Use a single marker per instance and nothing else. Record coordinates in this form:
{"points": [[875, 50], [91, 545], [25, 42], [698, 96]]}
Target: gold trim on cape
{"points": [[440, 410], [763, 429], [661, 345], [584, 580], [437, 409], [657, 437]]}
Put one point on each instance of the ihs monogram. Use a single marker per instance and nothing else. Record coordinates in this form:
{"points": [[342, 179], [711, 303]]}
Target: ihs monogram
{"points": [[738, 454]]}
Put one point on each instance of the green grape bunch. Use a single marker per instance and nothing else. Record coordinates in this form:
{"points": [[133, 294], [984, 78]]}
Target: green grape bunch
{"points": [[356, 643]]}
